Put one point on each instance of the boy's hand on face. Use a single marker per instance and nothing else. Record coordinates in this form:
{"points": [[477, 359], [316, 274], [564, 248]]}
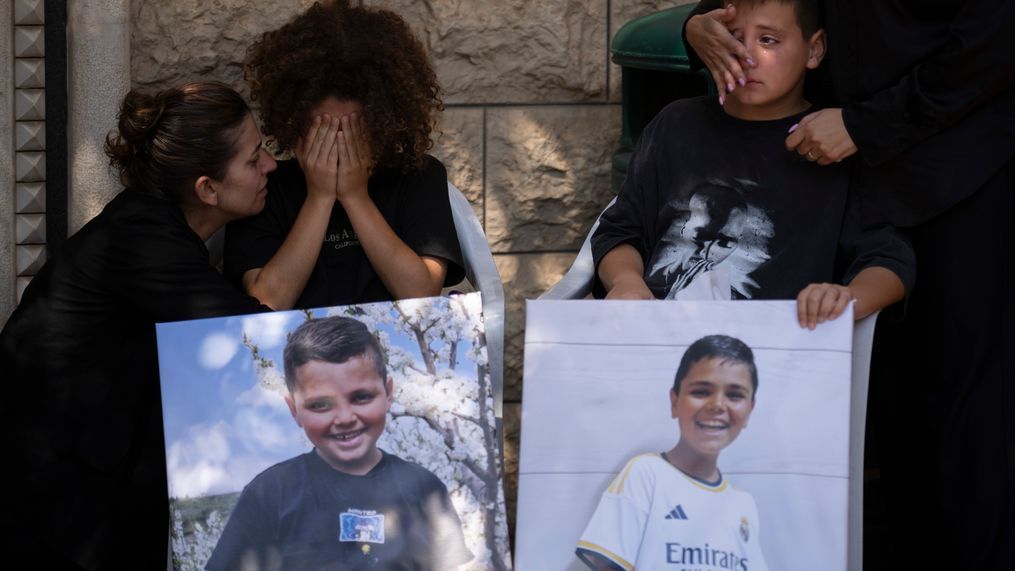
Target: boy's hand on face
{"points": [[317, 153], [821, 137], [722, 54], [818, 303], [354, 159], [630, 288]]}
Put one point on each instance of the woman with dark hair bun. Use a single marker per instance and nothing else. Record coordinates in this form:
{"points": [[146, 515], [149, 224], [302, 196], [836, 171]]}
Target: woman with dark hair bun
{"points": [[83, 425], [362, 214]]}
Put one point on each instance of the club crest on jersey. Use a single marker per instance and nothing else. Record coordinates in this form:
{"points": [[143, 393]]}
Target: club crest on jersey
{"points": [[745, 529], [364, 526]]}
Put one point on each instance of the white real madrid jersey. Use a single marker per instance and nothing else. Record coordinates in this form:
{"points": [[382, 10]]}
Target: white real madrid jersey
{"points": [[655, 517]]}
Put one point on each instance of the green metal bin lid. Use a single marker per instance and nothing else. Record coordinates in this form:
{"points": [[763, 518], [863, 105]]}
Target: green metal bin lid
{"points": [[653, 41]]}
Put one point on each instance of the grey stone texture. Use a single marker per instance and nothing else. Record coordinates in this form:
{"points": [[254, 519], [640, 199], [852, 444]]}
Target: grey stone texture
{"points": [[192, 40], [29, 41], [8, 283], [512, 51], [525, 276], [98, 70], [548, 174], [458, 143], [29, 12], [622, 12]]}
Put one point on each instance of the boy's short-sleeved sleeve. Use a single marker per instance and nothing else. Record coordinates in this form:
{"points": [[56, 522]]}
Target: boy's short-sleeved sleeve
{"points": [[630, 220], [614, 534], [246, 538], [448, 542], [863, 245], [426, 224]]}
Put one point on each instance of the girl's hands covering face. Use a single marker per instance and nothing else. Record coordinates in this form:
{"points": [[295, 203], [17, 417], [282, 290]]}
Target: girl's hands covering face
{"points": [[355, 160], [318, 155]]}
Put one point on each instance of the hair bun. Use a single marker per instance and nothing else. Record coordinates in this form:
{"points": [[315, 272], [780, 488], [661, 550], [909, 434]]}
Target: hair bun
{"points": [[163, 142], [139, 114]]}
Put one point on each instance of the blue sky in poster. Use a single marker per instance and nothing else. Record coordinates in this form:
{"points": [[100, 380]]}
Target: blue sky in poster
{"points": [[221, 426]]}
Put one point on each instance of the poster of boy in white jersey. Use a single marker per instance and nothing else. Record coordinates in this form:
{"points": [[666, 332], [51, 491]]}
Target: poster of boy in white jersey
{"points": [[642, 517], [692, 436]]}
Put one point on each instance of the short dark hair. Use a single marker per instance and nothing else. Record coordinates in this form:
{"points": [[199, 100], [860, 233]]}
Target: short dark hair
{"points": [[808, 13], [333, 339], [164, 142], [723, 347]]}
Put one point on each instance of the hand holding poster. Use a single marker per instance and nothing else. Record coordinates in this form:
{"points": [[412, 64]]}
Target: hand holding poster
{"points": [[698, 436], [359, 436]]}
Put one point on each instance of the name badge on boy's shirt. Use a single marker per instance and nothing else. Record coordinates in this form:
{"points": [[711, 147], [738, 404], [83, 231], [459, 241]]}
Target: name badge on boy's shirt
{"points": [[363, 526]]}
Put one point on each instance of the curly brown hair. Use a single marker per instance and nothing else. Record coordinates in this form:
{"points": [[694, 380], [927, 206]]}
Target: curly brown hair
{"points": [[352, 54]]}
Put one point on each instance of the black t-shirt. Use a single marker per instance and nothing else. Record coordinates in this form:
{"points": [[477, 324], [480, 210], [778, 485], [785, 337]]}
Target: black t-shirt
{"points": [[81, 408], [711, 200], [415, 205], [302, 514]]}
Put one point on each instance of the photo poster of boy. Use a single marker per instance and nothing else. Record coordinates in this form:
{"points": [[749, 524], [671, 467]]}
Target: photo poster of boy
{"points": [[354, 437], [683, 436]]}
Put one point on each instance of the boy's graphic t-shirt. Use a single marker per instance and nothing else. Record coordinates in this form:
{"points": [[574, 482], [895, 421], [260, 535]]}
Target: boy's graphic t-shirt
{"points": [[719, 209], [302, 514], [655, 517], [414, 204]]}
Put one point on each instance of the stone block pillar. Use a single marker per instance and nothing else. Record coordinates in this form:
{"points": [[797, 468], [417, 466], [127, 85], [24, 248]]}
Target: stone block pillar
{"points": [[98, 70], [8, 292]]}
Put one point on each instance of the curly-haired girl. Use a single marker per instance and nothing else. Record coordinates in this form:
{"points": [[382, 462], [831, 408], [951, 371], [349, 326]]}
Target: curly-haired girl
{"points": [[362, 214]]}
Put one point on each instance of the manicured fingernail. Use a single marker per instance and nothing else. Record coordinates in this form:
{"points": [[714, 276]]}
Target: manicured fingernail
{"points": [[750, 62], [794, 127], [741, 81], [729, 87], [721, 100]]}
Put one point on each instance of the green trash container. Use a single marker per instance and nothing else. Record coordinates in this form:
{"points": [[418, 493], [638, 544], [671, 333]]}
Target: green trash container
{"points": [[650, 52]]}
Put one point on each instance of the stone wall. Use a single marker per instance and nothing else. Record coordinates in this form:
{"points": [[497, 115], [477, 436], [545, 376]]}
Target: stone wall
{"points": [[533, 116]]}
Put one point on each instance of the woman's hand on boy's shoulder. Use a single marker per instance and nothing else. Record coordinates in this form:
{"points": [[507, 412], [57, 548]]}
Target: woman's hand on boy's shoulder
{"points": [[818, 303], [821, 137]]}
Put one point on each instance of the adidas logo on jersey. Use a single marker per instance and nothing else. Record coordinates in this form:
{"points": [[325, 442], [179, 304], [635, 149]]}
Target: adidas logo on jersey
{"points": [[677, 513]]}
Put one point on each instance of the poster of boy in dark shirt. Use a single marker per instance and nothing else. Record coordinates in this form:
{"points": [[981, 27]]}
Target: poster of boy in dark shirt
{"points": [[346, 504]]}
